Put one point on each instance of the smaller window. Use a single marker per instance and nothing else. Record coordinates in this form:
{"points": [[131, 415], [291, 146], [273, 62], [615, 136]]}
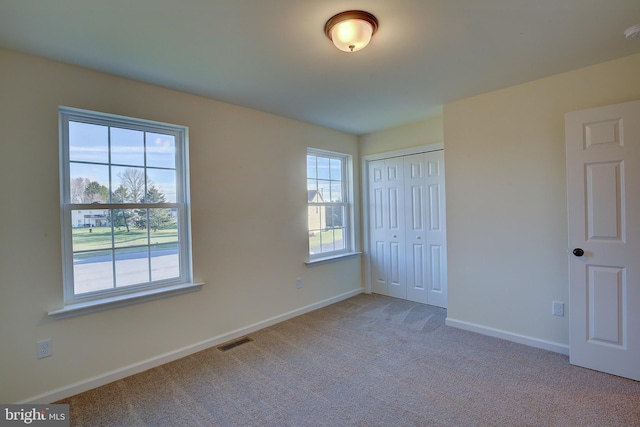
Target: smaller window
{"points": [[329, 205]]}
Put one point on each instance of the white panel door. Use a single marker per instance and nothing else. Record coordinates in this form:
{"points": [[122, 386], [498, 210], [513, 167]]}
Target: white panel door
{"points": [[377, 228], [425, 230], [395, 228], [415, 211], [386, 219], [603, 193], [436, 229], [407, 232]]}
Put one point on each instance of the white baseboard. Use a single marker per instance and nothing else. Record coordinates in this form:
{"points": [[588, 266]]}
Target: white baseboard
{"points": [[509, 336], [106, 378]]}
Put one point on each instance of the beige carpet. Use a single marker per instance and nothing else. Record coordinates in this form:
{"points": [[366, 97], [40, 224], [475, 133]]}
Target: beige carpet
{"points": [[366, 361]]}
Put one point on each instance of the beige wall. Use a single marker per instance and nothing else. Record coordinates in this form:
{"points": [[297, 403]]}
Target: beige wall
{"points": [[427, 131], [249, 211], [506, 197]]}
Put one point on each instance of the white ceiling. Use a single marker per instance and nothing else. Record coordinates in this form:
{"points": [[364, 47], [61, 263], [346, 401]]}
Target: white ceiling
{"points": [[273, 56]]}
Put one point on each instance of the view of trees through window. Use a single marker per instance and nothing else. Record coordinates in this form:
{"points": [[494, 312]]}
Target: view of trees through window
{"points": [[130, 190], [123, 207]]}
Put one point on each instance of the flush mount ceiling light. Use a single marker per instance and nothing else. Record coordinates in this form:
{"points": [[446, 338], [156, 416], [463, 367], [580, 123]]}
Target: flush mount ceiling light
{"points": [[351, 31]]}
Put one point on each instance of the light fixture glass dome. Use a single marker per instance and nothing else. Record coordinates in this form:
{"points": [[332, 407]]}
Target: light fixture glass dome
{"points": [[351, 35], [351, 31]]}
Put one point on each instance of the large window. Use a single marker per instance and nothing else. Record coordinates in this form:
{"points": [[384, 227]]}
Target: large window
{"points": [[125, 213], [329, 212]]}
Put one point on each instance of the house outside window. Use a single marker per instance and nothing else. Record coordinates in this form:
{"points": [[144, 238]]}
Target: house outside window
{"points": [[329, 205], [124, 199]]}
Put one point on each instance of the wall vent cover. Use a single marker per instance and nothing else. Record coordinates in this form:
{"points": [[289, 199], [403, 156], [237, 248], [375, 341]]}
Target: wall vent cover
{"points": [[233, 344]]}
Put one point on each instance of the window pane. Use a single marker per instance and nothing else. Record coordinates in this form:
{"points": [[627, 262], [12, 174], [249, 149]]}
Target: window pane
{"points": [[91, 229], [323, 168], [88, 143], [338, 239], [163, 225], [161, 150], [316, 219], [321, 241], [336, 192], [128, 183], [165, 261], [312, 185], [127, 228], [336, 169], [132, 266], [161, 186], [88, 183], [324, 188], [314, 242], [326, 240], [127, 147], [334, 216], [92, 271], [122, 221], [311, 167]]}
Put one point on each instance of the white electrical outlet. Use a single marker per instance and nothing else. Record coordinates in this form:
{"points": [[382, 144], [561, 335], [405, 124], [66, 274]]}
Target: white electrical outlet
{"points": [[299, 282], [43, 348], [558, 308]]}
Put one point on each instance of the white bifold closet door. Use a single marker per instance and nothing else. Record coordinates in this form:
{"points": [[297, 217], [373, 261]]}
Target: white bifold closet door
{"points": [[407, 227]]}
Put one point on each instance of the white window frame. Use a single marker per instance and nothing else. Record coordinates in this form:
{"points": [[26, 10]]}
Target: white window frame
{"points": [[347, 203], [75, 304]]}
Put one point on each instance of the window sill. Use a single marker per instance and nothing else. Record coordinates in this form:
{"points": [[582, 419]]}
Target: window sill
{"points": [[320, 261], [93, 306]]}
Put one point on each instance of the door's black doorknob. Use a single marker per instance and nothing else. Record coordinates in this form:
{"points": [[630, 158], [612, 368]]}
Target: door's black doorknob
{"points": [[578, 252]]}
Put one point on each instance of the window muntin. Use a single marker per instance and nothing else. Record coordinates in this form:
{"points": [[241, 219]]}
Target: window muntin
{"points": [[124, 194], [329, 215]]}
